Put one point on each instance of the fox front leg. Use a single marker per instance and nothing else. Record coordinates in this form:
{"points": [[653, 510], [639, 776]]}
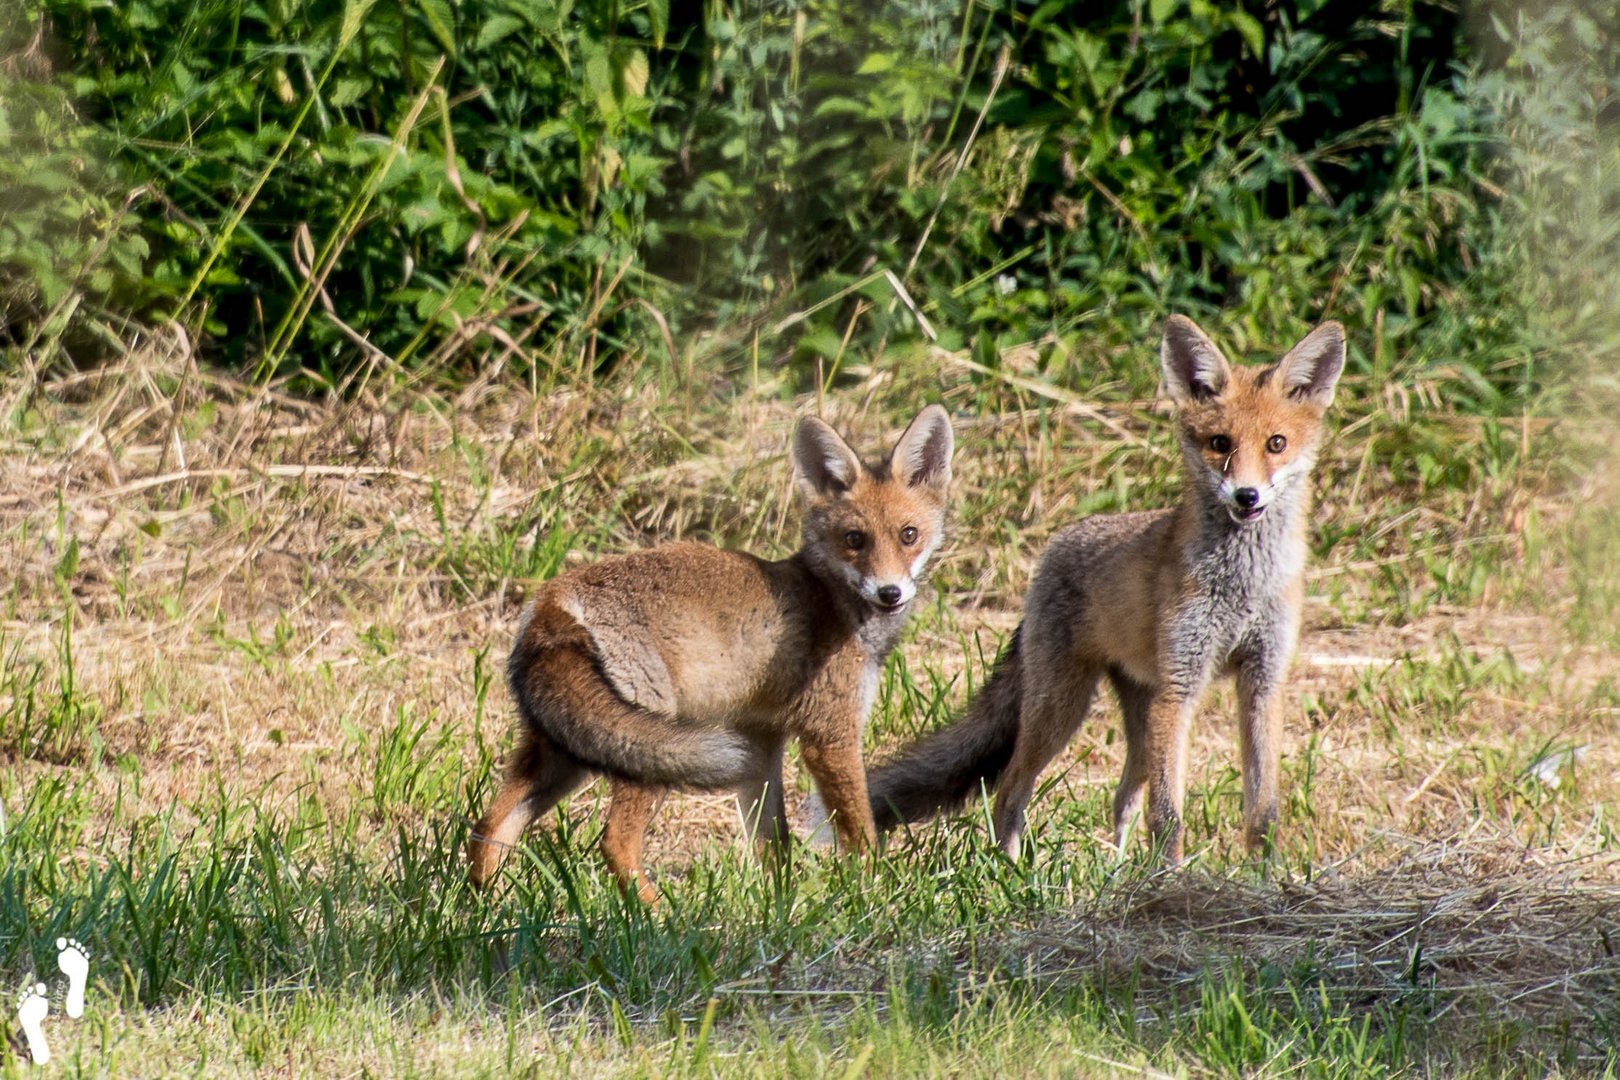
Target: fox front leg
{"points": [[840, 775], [1259, 690], [763, 810], [1169, 726]]}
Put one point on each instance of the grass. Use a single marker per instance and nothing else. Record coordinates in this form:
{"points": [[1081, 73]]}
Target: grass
{"points": [[251, 697]]}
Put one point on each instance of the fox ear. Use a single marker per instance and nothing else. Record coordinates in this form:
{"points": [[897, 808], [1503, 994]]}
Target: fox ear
{"points": [[923, 454], [1194, 369], [1311, 369], [824, 463]]}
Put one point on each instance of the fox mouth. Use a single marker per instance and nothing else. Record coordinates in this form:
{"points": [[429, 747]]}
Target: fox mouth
{"points": [[889, 609], [1246, 516]]}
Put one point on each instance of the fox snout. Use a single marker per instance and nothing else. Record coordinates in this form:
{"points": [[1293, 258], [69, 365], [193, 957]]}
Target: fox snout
{"points": [[1246, 502], [888, 596], [1247, 493]]}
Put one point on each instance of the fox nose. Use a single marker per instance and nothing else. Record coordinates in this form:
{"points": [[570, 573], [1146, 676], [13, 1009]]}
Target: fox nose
{"points": [[1246, 497], [889, 594]]}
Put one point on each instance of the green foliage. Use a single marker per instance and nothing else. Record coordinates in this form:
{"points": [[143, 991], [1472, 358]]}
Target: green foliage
{"points": [[422, 165], [1290, 164], [65, 236], [1549, 75], [537, 183]]}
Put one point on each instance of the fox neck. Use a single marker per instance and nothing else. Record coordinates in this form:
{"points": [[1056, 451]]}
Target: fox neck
{"points": [[877, 631]]}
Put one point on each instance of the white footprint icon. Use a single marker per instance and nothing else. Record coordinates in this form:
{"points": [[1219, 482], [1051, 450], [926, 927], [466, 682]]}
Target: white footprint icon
{"points": [[32, 1005], [74, 960]]}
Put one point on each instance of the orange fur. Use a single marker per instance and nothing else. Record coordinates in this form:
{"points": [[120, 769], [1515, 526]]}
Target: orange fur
{"points": [[690, 667]]}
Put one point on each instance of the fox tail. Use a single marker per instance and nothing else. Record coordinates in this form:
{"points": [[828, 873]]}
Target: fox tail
{"points": [[943, 770]]}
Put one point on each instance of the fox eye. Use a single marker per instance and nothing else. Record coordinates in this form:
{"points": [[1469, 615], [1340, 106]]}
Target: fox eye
{"points": [[908, 535], [854, 540], [1276, 444], [1221, 444]]}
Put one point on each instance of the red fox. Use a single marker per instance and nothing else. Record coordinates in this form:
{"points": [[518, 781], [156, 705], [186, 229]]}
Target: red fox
{"points": [[1159, 603], [690, 667]]}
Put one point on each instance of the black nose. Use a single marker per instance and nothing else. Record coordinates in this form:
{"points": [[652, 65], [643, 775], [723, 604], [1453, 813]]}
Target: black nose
{"points": [[1247, 498], [889, 594]]}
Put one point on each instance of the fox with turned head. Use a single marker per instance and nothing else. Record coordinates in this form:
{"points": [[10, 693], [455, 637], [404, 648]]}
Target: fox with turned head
{"points": [[686, 666]]}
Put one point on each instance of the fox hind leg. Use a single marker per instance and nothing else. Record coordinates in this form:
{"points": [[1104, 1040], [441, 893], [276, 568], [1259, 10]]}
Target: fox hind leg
{"points": [[1051, 714], [1134, 701], [540, 776], [631, 807]]}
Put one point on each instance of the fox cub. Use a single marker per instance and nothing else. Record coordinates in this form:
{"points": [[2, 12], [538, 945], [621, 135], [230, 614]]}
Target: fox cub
{"points": [[690, 667], [1159, 603]]}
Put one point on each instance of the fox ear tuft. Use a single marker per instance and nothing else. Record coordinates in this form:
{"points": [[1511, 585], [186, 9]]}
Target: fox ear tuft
{"points": [[1194, 369], [1311, 369], [823, 462], [922, 457]]}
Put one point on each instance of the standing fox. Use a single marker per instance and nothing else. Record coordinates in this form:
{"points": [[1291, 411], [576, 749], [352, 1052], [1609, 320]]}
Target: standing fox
{"points": [[687, 666], [1160, 603]]}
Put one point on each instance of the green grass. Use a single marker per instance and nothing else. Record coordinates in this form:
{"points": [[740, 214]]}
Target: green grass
{"points": [[242, 748]]}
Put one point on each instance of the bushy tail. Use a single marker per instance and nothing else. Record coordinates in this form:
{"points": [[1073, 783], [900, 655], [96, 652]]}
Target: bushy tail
{"points": [[942, 771], [563, 695]]}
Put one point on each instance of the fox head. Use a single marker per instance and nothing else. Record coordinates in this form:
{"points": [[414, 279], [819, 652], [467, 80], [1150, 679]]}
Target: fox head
{"points": [[1250, 434], [873, 526]]}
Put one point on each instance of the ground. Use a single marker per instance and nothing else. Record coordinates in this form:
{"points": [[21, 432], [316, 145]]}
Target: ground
{"points": [[252, 698]]}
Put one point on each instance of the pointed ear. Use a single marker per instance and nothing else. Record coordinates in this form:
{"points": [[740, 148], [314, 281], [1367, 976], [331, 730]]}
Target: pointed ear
{"points": [[923, 454], [1311, 369], [824, 463], [1194, 369]]}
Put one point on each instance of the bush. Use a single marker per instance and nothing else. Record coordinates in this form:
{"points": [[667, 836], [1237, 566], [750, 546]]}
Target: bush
{"points": [[66, 236], [527, 182]]}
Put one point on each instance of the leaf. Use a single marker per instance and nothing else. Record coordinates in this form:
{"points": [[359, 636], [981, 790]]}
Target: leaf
{"points": [[441, 21], [658, 17], [634, 72], [599, 79], [548, 130], [347, 91], [1254, 36], [1160, 10], [354, 14], [495, 28]]}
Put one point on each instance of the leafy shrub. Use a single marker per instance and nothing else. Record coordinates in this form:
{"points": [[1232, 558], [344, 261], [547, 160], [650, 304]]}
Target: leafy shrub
{"points": [[65, 233], [444, 183]]}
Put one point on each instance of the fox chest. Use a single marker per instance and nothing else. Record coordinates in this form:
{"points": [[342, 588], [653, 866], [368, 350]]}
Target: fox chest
{"points": [[1216, 626]]}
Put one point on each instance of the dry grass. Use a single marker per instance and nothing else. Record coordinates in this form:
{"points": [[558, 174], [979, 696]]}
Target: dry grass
{"points": [[258, 584]]}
